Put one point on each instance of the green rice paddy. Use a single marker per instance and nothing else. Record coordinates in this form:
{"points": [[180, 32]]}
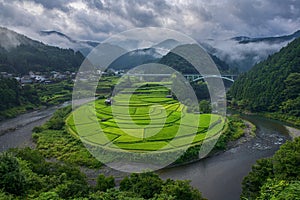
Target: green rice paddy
{"points": [[149, 122]]}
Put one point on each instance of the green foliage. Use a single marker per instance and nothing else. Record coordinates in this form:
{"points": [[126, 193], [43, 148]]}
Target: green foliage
{"points": [[34, 158], [63, 146], [53, 141], [12, 180], [150, 186], [48, 196], [205, 106], [290, 192], [55, 93], [114, 194], [5, 196], [276, 177], [105, 183], [16, 99], [272, 85], [181, 190], [10, 91], [234, 130], [145, 184], [46, 179], [280, 190], [52, 180], [57, 121], [261, 171], [286, 161], [72, 189]]}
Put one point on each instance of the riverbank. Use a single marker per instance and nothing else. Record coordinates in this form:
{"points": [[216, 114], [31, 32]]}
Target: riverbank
{"points": [[248, 135], [291, 121], [17, 132], [293, 132], [220, 177], [293, 126]]}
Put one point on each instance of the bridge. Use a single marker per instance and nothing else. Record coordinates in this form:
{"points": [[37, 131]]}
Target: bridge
{"points": [[197, 77], [191, 77]]}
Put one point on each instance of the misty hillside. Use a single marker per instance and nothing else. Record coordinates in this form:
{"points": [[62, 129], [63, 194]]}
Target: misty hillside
{"points": [[279, 39], [20, 54], [239, 53], [135, 58], [244, 52], [272, 85], [180, 64]]}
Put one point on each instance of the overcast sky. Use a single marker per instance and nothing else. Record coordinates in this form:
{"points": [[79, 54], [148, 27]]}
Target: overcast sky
{"points": [[200, 19]]}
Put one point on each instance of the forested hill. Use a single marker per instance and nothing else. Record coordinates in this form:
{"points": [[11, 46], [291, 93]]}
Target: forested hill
{"points": [[180, 64], [272, 85], [20, 54]]}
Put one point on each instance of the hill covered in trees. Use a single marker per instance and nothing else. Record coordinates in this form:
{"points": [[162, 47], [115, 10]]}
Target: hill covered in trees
{"points": [[272, 85], [180, 64], [20, 54], [277, 177]]}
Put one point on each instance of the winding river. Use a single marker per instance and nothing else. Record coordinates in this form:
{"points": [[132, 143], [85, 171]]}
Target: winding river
{"points": [[218, 177]]}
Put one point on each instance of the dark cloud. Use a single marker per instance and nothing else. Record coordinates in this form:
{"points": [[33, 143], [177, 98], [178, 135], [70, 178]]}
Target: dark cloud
{"points": [[54, 4], [94, 4], [97, 19]]}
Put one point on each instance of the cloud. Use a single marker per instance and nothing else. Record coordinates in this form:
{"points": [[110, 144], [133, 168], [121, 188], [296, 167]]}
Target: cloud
{"points": [[98, 19]]}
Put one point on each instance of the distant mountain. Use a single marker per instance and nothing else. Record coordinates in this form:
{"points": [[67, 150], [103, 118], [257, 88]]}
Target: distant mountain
{"points": [[244, 52], [139, 56], [165, 46], [20, 54], [272, 85], [67, 42], [135, 58], [180, 64], [279, 39]]}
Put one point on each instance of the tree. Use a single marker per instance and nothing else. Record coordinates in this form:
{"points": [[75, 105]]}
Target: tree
{"points": [[261, 171], [48, 196], [276, 177], [286, 161], [181, 190], [145, 184], [292, 83], [12, 180], [105, 183], [205, 106], [280, 190]]}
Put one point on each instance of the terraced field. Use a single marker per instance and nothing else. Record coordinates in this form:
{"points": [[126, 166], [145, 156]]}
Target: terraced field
{"points": [[152, 121]]}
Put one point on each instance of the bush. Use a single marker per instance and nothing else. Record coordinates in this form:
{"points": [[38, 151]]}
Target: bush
{"points": [[104, 183], [12, 180]]}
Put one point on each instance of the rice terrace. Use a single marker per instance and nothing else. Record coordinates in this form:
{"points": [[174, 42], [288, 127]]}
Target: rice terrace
{"points": [[153, 120]]}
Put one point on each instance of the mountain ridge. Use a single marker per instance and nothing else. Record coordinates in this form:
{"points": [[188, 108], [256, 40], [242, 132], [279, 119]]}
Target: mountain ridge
{"points": [[271, 85], [20, 54], [284, 38]]}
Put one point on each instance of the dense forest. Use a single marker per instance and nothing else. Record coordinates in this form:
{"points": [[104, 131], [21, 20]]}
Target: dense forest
{"points": [[12, 94], [19, 55], [272, 85], [25, 174], [277, 177], [16, 99]]}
